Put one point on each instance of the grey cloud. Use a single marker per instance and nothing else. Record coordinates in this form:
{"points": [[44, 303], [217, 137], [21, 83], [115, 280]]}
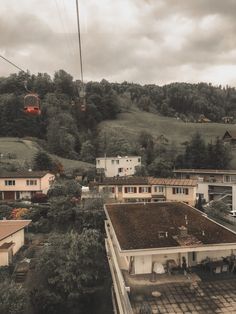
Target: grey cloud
{"points": [[135, 51]]}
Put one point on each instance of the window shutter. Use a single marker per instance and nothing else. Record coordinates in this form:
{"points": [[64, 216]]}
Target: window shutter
{"points": [[173, 190], [149, 189], [140, 189], [186, 191], [113, 189], [126, 190], [135, 189]]}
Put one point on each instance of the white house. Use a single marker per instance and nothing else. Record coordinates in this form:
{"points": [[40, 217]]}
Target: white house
{"points": [[213, 184], [11, 239], [118, 166], [24, 184], [144, 237]]}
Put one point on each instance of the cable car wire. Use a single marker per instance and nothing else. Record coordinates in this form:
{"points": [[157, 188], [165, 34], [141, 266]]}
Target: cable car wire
{"points": [[80, 49], [16, 66], [70, 51]]}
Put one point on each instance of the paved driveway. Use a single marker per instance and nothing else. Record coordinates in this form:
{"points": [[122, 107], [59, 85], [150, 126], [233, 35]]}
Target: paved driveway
{"points": [[203, 297]]}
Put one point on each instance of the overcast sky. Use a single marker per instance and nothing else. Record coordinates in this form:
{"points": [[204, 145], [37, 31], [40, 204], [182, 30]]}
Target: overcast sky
{"points": [[144, 41]]}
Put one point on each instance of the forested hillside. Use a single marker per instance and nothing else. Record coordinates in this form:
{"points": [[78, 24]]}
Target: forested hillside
{"points": [[63, 129]]}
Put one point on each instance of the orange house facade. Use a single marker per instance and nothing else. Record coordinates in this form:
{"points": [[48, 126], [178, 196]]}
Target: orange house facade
{"points": [[147, 189], [23, 185]]}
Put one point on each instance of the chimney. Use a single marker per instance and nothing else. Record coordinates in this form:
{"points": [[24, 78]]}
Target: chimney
{"points": [[183, 231]]}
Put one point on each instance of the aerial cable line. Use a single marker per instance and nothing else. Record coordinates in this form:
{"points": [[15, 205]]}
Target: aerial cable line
{"points": [[16, 66], [67, 39], [80, 49], [31, 100]]}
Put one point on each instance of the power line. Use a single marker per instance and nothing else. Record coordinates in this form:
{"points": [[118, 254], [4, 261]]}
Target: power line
{"points": [[13, 64], [80, 49], [68, 42]]}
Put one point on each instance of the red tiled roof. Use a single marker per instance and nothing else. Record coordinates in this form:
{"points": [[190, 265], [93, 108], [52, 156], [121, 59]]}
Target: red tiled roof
{"points": [[8, 227], [172, 182], [137, 226], [145, 181]]}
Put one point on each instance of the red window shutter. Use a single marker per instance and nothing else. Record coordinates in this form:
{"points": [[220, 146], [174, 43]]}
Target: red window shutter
{"points": [[173, 190], [135, 190], [186, 191], [113, 189], [140, 190], [149, 189], [126, 190]]}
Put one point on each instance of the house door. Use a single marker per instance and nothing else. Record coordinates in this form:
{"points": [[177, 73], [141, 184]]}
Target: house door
{"points": [[10, 256], [9, 195], [143, 265], [192, 259]]}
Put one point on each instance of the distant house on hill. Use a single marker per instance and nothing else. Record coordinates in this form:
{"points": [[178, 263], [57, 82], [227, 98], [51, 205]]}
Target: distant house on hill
{"points": [[203, 119], [228, 119], [118, 166], [229, 137]]}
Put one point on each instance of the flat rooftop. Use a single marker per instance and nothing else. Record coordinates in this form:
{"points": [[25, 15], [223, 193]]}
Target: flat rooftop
{"points": [[138, 226], [118, 157], [206, 171]]}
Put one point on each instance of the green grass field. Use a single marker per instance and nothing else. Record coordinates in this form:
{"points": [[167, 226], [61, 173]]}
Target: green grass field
{"points": [[176, 131], [128, 124], [24, 151]]}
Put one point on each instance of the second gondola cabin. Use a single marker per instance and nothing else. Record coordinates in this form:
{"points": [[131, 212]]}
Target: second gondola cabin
{"points": [[32, 104]]}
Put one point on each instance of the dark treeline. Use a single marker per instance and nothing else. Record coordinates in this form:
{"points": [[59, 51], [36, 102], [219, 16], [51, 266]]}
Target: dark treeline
{"points": [[184, 100], [62, 125], [66, 131]]}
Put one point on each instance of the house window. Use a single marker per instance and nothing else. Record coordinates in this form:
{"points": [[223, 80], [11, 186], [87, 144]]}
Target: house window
{"points": [[108, 189], [158, 189], [10, 182], [145, 189], [180, 191], [31, 182], [98, 162], [112, 162], [194, 256], [120, 169], [117, 162], [130, 189], [139, 159], [161, 234]]}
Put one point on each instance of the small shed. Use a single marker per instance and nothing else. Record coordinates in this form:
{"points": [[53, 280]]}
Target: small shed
{"points": [[228, 119], [229, 137]]}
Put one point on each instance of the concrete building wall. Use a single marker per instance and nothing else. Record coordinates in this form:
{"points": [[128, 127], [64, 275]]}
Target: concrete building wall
{"points": [[118, 166], [162, 258], [234, 199], [189, 198], [4, 258], [203, 189], [200, 256], [46, 182]]}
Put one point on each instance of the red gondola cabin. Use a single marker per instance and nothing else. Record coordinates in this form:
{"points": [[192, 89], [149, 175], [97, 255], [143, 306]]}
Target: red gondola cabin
{"points": [[31, 104]]}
